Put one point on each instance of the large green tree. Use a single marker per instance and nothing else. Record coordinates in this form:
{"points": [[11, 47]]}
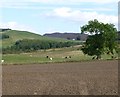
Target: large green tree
{"points": [[102, 39]]}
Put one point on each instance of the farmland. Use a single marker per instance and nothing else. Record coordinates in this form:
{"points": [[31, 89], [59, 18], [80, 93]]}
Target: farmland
{"points": [[70, 72], [77, 78], [58, 55], [59, 47]]}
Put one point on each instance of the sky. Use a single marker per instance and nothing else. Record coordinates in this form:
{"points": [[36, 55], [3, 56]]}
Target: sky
{"points": [[48, 16]]}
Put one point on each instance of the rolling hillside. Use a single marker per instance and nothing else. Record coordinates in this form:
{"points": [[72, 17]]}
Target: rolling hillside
{"points": [[15, 35]]}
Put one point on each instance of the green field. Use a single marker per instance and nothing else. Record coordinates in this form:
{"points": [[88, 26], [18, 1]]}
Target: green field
{"points": [[58, 55]]}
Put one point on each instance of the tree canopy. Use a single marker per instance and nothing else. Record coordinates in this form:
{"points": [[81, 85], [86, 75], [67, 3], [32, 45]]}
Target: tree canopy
{"points": [[102, 39], [28, 45]]}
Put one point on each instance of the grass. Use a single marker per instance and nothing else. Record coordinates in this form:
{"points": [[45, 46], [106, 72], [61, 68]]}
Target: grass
{"points": [[58, 55]]}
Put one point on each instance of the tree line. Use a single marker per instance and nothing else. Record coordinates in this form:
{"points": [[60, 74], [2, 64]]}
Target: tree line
{"points": [[28, 45]]}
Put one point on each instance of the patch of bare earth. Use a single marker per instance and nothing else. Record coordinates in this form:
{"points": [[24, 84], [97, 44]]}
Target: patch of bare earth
{"points": [[80, 78]]}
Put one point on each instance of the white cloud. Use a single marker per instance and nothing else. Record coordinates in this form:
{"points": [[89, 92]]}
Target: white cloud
{"points": [[16, 26], [81, 16], [62, 12]]}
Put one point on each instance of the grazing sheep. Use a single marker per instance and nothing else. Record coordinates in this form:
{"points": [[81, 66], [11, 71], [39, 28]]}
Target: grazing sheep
{"points": [[47, 56], [93, 58], [50, 58], [2, 61], [65, 57], [30, 55]]}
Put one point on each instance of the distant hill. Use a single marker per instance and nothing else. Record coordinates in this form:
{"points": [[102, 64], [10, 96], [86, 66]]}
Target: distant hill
{"points": [[69, 36], [15, 35]]}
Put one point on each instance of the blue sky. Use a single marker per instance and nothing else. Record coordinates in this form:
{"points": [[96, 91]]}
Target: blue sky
{"points": [[48, 16]]}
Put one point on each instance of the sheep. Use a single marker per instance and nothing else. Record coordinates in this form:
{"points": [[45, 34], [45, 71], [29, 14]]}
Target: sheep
{"points": [[2, 61], [93, 58], [47, 56], [50, 58], [30, 55], [67, 57]]}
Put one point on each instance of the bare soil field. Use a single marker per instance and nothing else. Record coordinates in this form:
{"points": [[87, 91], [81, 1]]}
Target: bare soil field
{"points": [[79, 78]]}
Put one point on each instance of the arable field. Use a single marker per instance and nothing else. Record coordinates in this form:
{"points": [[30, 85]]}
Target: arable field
{"points": [[76, 78]]}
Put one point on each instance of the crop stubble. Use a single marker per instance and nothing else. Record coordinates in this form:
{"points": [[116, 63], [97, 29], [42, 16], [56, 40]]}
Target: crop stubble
{"points": [[79, 78]]}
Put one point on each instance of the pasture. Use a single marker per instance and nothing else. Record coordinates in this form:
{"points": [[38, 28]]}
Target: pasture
{"points": [[57, 55]]}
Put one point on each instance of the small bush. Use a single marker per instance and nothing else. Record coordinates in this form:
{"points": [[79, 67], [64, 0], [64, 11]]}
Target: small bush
{"points": [[4, 36]]}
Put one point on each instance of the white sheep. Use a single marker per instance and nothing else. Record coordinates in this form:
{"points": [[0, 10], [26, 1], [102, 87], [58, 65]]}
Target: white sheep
{"points": [[2, 61], [50, 58], [30, 55]]}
